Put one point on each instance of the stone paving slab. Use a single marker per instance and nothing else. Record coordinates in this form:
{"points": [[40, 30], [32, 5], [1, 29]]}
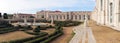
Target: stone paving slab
{"points": [[82, 35]]}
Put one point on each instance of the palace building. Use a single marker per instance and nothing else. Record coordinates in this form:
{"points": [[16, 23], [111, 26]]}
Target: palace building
{"points": [[22, 16], [107, 13], [62, 16]]}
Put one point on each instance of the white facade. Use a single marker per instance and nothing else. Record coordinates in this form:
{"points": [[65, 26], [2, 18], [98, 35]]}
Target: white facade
{"points": [[107, 12], [62, 16]]}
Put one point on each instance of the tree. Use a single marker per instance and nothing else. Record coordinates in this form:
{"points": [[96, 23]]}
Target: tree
{"points": [[0, 15], [37, 30], [5, 16], [29, 27]]}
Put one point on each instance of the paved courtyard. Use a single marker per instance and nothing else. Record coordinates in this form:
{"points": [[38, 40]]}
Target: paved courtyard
{"points": [[83, 35]]}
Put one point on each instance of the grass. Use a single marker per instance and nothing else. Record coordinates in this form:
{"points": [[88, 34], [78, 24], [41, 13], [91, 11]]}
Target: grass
{"points": [[13, 36]]}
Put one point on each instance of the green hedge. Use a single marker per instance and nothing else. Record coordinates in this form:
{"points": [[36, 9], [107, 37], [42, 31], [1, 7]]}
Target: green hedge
{"points": [[37, 40], [2, 32], [27, 39], [42, 38], [67, 23], [33, 33], [4, 29], [51, 38], [7, 30], [46, 39]]}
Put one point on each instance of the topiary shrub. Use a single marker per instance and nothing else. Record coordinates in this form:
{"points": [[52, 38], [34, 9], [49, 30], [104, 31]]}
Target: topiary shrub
{"points": [[19, 27], [29, 27], [37, 30]]}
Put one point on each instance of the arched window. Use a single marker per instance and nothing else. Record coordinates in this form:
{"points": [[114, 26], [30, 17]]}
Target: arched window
{"points": [[79, 17], [42, 16], [71, 17], [67, 16], [111, 12], [64, 16], [101, 4], [56, 16], [76, 17], [119, 11], [84, 17], [60, 16]]}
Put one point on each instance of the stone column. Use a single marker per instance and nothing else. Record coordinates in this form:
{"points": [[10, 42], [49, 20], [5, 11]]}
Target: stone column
{"points": [[34, 21], [25, 21], [52, 21], [85, 21]]}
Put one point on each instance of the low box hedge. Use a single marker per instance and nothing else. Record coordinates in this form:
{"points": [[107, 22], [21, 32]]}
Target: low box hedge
{"points": [[37, 40], [7, 30], [33, 33], [51, 38], [27, 39]]}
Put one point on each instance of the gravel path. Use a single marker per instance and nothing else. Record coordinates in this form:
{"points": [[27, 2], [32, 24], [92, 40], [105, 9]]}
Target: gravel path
{"points": [[83, 35]]}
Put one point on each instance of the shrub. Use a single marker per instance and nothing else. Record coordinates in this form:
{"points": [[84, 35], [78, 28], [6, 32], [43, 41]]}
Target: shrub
{"points": [[29, 27], [45, 39], [36, 30], [50, 26], [27, 39], [37, 40], [67, 23], [51, 38], [18, 27], [6, 30], [33, 33]]}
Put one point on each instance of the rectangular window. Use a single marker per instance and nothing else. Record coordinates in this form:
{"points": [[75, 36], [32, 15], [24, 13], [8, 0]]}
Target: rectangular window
{"points": [[111, 12], [119, 17], [101, 4], [119, 11], [84, 17], [79, 17]]}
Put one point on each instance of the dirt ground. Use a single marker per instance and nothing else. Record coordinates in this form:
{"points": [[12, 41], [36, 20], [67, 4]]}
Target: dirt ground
{"points": [[104, 34], [13, 36], [49, 31], [66, 37]]}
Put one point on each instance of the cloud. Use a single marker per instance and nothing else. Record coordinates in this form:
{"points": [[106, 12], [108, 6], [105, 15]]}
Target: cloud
{"points": [[27, 6]]}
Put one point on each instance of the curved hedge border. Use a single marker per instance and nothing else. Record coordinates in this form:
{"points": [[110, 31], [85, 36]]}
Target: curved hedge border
{"points": [[46, 39], [26, 39], [51, 38], [7, 30], [33, 33], [42, 38]]}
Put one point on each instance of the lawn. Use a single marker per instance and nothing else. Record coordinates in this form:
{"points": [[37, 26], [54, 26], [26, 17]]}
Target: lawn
{"points": [[13, 36]]}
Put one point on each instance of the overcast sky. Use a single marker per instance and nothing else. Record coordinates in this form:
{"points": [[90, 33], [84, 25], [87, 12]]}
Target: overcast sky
{"points": [[32, 6]]}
